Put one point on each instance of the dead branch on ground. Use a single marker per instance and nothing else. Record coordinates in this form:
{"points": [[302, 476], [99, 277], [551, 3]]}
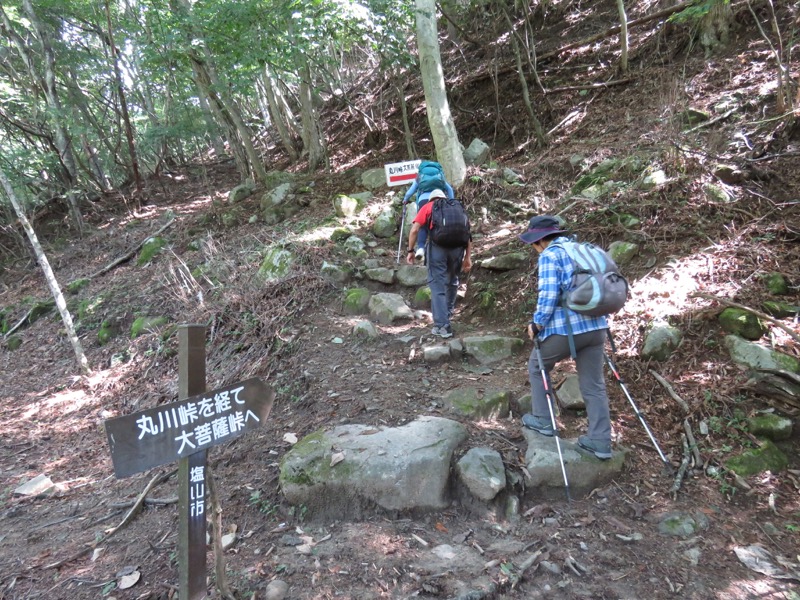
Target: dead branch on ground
{"points": [[130, 252], [671, 391]]}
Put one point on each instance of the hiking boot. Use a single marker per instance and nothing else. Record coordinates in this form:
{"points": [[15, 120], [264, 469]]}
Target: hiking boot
{"points": [[419, 254], [538, 424], [443, 332], [601, 450]]}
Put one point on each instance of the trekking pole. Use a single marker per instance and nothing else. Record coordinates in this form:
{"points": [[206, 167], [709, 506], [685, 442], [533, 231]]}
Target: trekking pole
{"points": [[618, 377], [402, 224], [550, 403]]}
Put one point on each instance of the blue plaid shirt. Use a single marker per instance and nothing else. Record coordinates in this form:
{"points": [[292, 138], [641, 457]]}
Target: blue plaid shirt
{"points": [[555, 274]]}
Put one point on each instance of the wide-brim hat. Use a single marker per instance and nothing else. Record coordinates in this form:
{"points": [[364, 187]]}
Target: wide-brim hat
{"points": [[540, 227]]}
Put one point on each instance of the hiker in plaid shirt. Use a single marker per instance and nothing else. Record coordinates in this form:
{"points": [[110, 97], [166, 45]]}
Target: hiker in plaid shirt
{"points": [[549, 323]]}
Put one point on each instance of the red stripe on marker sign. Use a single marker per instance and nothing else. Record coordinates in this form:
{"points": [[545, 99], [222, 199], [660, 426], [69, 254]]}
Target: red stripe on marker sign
{"points": [[402, 178]]}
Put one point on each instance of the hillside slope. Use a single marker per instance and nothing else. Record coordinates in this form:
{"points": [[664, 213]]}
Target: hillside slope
{"points": [[721, 240]]}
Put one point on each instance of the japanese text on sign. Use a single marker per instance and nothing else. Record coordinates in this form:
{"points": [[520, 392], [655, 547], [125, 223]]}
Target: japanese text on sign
{"points": [[197, 491], [162, 434], [224, 421]]}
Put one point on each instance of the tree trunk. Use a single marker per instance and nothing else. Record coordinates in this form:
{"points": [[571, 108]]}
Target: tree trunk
{"points": [[312, 140], [213, 130], [541, 140], [222, 105], [440, 120], [278, 119], [715, 26], [48, 86], [407, 134], [123, 104], [623, 37], [55, 289]]}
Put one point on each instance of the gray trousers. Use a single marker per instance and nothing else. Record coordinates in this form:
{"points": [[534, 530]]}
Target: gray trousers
{"points": [[589, 349], [444, 265]]}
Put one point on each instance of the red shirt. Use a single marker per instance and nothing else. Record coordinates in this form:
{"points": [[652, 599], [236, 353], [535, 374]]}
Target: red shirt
{"points": [[424, 215]]}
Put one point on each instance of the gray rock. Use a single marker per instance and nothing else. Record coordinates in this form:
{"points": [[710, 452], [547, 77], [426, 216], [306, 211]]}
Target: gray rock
{"points": [[276, 196], [623, 252], [511, 176], [373, 179], [584, 471], [490, 349], [356, 301], [395, 469], [481, 470], [469, 402], [729, 174], [569, 394], [477, 153], [276, 264], [435, 354], [412, 275], [276, 590], [770, 426], [384, 225], [365, 329], [654, 180], [388, 308], [661, 341], [240, 192], [354, 245], [335, 273], [347, 206], [380, 274], [755, 356], [716, 194]]}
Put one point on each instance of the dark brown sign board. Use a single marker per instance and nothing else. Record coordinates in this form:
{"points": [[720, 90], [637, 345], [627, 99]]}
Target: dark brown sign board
{"points": [[156, 436]]}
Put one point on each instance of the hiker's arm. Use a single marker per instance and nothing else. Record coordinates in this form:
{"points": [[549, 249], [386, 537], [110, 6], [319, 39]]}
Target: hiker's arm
{"points": [[448, 189], [547, 299], [412, 242], [410, 192], [466, 264]]}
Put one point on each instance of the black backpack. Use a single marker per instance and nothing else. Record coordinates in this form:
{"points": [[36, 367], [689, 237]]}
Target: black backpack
{"points": [[449, 223]]}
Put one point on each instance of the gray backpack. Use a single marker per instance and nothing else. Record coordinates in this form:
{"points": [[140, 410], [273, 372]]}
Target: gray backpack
{"points": [[597, 286]]}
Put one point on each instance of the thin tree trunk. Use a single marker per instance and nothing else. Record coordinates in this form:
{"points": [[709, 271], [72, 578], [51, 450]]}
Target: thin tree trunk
{"points": [[440, 120], [407, 134], [278, 118], [48, 86], [55, 289], [623, 37], [213, 130], [123, 104], [311, 136], [526, 97]]}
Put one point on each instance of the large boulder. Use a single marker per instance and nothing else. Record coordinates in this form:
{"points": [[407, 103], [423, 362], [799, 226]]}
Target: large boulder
{"points": [[474, 404], [347, 206], [373, 179], [742, 322], [476, 153], [755, 356], [412, 275], [276, 264], [384, 225], [507, 262], [661, 341], [482, 471], [351, 470]]}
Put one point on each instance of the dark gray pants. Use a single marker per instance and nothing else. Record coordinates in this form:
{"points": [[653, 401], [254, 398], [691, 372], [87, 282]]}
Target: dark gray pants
{"points": [[444, 265], [589, 349]]}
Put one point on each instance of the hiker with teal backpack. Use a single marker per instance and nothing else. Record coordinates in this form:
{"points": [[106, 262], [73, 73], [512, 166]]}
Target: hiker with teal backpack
{"points": [[578, 286], [430, 176]]}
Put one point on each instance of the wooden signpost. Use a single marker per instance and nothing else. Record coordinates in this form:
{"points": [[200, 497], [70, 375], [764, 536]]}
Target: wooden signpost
{"points": [[183, 431]]}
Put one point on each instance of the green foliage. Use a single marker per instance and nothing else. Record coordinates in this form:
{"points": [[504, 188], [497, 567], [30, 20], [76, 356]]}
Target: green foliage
{"points": [[264, 505], [696, 12]]}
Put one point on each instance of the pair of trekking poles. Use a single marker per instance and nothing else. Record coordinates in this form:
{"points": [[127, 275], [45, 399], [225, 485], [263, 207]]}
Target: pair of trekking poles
{"points": [[551, 406]]}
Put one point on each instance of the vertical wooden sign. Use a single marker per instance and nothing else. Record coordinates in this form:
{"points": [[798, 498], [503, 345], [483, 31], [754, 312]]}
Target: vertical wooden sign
{"points": [[192, 472]]}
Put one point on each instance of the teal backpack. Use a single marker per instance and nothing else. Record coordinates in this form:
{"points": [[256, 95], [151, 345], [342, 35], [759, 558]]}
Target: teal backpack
{"points": [[430, 176]]}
